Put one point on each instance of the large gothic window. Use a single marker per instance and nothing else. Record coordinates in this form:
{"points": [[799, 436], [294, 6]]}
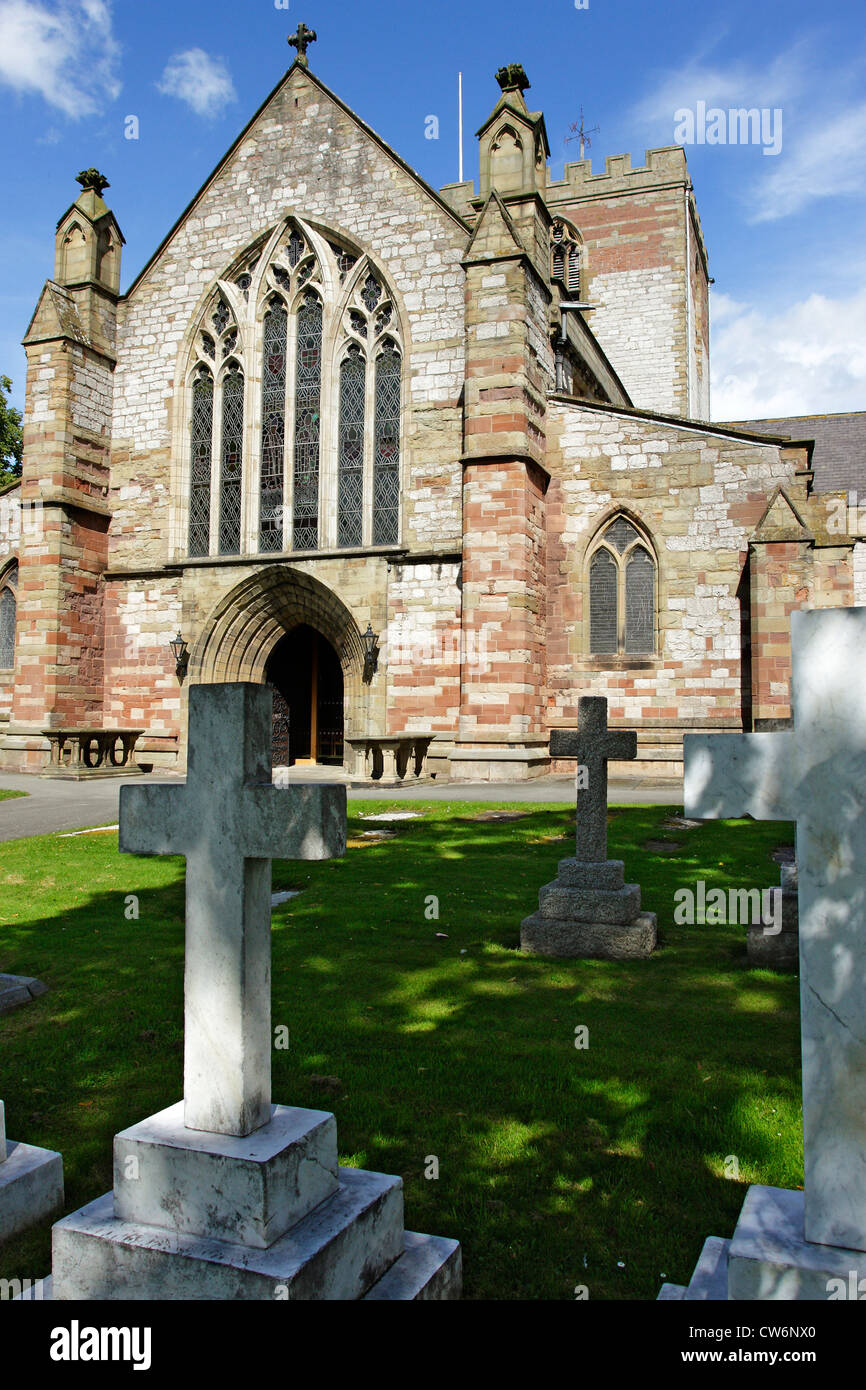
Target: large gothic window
{"points": [[622, 581], [311, 458], [8, 615]]}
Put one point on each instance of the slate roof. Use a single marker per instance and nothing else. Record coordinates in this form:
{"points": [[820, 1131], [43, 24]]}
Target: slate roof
{"points": [[839, 456]]}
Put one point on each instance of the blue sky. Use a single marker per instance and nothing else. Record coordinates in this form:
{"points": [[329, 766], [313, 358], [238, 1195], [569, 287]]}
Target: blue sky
{"points": [[784, 231]]}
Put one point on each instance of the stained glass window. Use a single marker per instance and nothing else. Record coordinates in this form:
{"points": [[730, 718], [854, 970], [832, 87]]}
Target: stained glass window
{"points": [[295, 248], [282, 277], [8, 613], [221, 317], [358, 322], [639, 602], [602, 604], [622, 593], [372, 292], [207, 344], [200, 465], [232, 461], [305, 531], [273, 426], [383, 318], [386, 457], [350, 512], [620, 534]]}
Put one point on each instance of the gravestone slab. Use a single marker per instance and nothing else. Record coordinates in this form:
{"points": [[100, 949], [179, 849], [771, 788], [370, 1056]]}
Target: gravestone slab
{"points": [[16, 990], [791, 1245], [769, 949], [225, 1195], [589, 910], [31, 1184]]}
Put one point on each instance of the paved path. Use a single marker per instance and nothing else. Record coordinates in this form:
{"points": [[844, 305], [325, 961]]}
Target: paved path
{"points": [[53, 804]]}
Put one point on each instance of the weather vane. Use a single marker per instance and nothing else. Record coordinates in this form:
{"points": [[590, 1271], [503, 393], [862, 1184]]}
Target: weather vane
{"points": [[578, 133]]}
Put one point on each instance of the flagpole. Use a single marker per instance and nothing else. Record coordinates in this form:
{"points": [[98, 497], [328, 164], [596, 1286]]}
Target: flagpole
{"points": [[460, 126]]}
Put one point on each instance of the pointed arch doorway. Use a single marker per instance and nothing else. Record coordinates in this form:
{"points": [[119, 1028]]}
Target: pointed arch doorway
{"points": [[305, 674]]}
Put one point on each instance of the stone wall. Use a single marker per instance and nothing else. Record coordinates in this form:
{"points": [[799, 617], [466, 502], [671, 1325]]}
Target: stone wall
{"points": [[699, 496]]}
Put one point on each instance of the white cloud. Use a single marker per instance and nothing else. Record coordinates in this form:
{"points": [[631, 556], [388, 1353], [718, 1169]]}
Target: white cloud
{"points": [[203, 82], [737, 84], [808, 359], [823, 163], [66, 53], [823, 123]]}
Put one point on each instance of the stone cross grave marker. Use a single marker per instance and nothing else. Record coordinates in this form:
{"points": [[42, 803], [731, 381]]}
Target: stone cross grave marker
{"points": [[592, 743], [815, 774], [589, 909], [229, 820]]}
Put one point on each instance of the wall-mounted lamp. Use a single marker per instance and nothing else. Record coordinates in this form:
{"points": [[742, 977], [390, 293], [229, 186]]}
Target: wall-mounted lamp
{"points": [[371, 652], [180, 651]]}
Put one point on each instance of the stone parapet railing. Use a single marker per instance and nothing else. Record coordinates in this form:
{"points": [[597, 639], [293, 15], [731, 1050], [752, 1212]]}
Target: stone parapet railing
{"points": [[84, 753]]}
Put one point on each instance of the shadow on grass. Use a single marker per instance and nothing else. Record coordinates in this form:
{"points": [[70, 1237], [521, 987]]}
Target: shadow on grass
{"points": [[556, 1163]]}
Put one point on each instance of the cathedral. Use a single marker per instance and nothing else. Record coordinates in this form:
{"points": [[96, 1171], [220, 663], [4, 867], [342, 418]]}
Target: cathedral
{"points": [[432, 465]]}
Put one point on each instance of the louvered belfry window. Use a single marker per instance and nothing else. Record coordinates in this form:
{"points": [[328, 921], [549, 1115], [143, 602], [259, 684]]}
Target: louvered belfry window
{"points": [[350, 518], [386, 459], [231, 469], [307, 425], [273, 427], [202, 448], [622, 579]]}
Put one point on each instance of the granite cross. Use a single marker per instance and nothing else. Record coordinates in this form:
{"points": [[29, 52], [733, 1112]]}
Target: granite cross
{"points": [[592, 743], [301, 41], [815, 774], [229, 820]]}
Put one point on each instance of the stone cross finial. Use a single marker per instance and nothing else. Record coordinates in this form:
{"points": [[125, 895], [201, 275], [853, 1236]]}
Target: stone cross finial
{"points": [[91, 178], [229, 820], [301, 40], [815, 775], [512, 78], [592, 744]]}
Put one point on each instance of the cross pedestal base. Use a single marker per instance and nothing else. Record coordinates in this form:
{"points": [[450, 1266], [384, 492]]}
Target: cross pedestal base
{"points": [[269, 1216], [589, 911], [31, 1187], [768, 1259]]}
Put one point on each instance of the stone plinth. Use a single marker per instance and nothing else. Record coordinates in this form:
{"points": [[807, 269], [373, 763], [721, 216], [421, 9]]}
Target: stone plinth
{"points": [[602, 921], [31, 1184]]}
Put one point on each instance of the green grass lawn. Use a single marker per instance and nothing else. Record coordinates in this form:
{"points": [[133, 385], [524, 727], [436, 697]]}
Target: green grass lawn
{"points": [[6, 795], [558, 1166]]}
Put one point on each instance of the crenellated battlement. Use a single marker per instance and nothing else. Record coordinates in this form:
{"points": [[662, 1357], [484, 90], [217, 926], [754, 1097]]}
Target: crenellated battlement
{"points": [[661, 166]]}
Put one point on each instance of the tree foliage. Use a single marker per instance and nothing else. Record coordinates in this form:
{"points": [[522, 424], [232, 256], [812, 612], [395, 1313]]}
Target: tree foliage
{"points": [[11, 436]]}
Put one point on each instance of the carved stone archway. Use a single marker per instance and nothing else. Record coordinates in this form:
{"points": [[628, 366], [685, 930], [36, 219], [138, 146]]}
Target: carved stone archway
{"points": [[242, 631]]}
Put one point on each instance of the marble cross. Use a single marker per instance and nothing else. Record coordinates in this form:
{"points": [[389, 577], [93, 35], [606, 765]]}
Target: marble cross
{"points": [[815, 774], [229, 820], [592, 743]]}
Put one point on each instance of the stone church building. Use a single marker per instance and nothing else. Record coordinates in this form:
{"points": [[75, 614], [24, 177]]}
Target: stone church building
{"points": [[432, 465]]}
